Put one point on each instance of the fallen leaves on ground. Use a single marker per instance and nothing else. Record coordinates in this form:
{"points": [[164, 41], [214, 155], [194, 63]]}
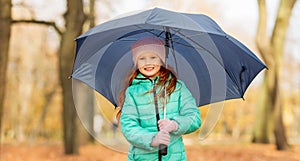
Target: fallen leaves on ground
{"points": [[230, 152]]}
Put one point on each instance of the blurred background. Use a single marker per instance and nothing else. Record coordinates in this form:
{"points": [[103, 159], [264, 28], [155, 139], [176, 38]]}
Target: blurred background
{"points": [[37, 53]]}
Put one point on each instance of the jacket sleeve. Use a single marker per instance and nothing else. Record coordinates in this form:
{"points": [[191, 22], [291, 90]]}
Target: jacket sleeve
{"points": [[135, 134], [188, 119]]}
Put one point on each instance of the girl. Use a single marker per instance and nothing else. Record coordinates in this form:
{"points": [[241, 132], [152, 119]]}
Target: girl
{"points": [[151, 88]]}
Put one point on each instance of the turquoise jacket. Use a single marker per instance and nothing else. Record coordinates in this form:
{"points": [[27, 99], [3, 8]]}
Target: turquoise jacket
{"points": [[139, 125]]}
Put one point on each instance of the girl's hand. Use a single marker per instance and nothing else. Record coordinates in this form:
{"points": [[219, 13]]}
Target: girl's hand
{"points": [[162, 137], [167, 125]]}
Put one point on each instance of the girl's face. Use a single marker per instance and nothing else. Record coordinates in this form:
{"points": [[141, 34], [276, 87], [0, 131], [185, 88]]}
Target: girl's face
{"points": [[149, 64]]}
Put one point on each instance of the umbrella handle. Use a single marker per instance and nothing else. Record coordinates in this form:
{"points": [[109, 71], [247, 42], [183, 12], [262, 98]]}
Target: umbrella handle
{"points": [[163, 149], [165, 102]]}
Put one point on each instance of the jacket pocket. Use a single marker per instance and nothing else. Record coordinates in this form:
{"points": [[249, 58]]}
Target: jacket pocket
{"points": [[175, 157], [146, 157]]}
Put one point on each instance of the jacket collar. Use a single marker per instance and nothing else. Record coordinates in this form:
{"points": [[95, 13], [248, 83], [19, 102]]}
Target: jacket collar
{"points": [[140, 78]]}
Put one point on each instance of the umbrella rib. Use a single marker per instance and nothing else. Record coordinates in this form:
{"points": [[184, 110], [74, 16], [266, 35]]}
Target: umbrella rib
{"points": [[235, 83], [149, 31], [173, 53], [146, 30], [185, 37]]}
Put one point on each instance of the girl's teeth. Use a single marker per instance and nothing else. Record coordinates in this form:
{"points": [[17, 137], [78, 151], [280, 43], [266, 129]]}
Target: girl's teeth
{"points": [[149, 68]]}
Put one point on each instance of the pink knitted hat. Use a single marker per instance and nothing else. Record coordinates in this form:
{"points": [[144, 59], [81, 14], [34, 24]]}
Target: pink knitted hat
{"points": [[148, 44]]}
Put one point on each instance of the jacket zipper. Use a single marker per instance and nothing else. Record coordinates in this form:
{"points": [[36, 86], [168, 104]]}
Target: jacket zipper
{"points": [[155, 103], [163, 148]]}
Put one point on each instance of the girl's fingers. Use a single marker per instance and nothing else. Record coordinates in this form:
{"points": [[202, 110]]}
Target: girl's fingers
{"points": [[163, 123]]}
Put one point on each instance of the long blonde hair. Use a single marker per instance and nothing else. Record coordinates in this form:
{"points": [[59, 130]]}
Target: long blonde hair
{"points": [[164, 80]]}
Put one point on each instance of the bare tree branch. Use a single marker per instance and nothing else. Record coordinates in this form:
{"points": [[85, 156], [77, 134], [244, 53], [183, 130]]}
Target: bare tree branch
{"points": [[91, 15], [47, 23], [262, 39], [280, 28]]}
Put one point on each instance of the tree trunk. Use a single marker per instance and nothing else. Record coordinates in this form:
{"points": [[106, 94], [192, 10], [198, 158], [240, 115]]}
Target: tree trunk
{"points": [[270, 108], [263, 127], [74, 18], [277, 42], [5, 23]]}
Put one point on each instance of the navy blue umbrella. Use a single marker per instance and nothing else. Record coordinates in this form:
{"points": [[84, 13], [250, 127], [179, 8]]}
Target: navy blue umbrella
{"points": [[213, 65]]}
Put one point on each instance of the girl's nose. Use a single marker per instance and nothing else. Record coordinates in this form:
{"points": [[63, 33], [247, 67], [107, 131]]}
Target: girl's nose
{"points": [[148, 61]]}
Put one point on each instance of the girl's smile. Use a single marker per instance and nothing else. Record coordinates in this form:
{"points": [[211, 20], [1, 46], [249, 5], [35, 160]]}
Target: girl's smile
{"points": [[149, 68], [150, 71]]}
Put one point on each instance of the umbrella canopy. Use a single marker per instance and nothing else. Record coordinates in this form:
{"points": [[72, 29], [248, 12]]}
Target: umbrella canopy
{"points": [[212, 64]]}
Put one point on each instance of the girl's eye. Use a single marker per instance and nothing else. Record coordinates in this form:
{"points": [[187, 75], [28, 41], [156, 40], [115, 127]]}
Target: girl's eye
{"points": [[141, 58], [153, 57]]}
